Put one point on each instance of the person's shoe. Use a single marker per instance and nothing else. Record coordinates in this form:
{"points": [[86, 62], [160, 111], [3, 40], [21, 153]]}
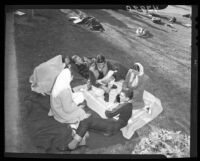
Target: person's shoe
{"points": [[67, 149], [64, 149]]}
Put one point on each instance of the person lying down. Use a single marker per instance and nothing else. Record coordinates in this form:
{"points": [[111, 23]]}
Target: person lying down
{"points": [[109, 126]]}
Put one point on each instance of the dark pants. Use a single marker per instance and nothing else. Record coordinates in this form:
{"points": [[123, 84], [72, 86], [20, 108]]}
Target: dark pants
{"points": [[105, 126]]}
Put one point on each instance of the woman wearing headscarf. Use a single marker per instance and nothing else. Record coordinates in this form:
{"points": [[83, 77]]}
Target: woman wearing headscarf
{"points": [[136, 81], [64, 103]]}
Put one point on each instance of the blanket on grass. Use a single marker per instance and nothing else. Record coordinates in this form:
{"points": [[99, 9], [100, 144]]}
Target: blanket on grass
{"points": [[140, 116], [45, 132]]}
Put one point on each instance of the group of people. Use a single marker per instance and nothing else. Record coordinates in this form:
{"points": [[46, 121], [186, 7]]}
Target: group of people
{"points": [[89, 21], [100, 73]]}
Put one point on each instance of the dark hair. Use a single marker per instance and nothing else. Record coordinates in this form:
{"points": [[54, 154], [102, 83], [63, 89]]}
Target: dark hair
{"points": [[128, 93], [100, 59], [73, 58], [136, 67]]}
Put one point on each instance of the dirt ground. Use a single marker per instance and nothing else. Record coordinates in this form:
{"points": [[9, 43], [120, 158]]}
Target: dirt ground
{"points": [[166, 55]]}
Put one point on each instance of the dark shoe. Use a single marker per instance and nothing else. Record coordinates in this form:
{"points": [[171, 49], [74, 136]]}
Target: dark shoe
{"points": [[67, 149], [114, 87], [64, 149]]}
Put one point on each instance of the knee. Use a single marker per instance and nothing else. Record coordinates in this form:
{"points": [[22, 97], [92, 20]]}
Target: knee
{"points": [[85, 122]]}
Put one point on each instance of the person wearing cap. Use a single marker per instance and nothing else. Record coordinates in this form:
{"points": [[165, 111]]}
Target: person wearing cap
{"points": [[136, 81], [109, 126]]}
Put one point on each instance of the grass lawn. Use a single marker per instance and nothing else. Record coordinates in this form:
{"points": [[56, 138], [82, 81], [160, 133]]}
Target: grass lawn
{"points": [[166, 58]]}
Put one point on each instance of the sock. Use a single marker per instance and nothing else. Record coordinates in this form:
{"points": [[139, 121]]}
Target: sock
{"points": [[74, 143], [83, 141]]}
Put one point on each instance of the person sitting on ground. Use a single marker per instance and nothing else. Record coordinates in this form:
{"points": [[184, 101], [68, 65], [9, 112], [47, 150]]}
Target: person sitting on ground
{"points": [[65, 105], [136, 81], [103, 73], [109, 126], [82, 67]]}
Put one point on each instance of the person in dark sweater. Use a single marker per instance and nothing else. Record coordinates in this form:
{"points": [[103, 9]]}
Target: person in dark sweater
{"points": [[108, 126], [82, 67]]}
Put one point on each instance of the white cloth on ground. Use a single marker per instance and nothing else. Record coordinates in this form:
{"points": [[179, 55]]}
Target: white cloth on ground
{"points": [[139, 118]]}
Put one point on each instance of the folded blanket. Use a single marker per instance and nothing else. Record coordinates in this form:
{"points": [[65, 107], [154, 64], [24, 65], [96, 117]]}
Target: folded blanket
{"points": [[45, 74]]}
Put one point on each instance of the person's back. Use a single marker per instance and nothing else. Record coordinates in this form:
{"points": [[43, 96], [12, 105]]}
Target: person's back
{"points": [[63, 107]]}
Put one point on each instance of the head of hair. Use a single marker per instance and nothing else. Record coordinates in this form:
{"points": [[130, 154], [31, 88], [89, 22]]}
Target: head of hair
{"points": [[74, 57], [68, 57], [136, 67], [100, 59], [128, 93]]}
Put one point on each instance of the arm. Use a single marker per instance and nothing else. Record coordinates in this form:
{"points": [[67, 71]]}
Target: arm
{"points": [[107, 77], [93, 80], [114, 112], [112, 69], [83, 104], [67, 101]]}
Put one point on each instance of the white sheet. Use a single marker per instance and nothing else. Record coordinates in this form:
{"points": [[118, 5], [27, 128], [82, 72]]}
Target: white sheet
{"points": [[139, 118]]}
